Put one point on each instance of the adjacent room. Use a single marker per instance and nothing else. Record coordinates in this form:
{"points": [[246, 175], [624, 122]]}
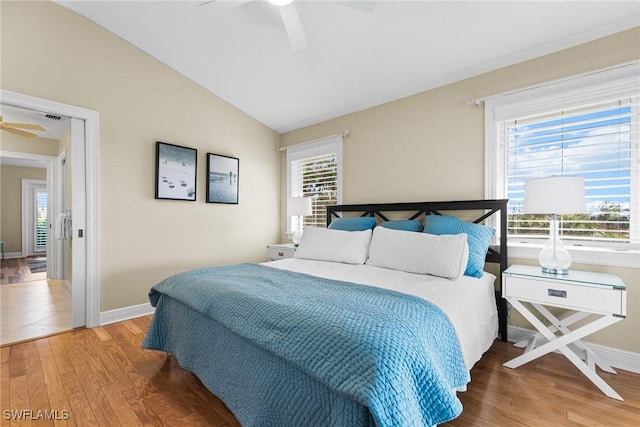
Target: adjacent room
{"points": [[328, 213]]}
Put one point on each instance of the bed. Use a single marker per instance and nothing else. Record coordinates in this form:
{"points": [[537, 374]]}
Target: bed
{"points": [[355, 330]]}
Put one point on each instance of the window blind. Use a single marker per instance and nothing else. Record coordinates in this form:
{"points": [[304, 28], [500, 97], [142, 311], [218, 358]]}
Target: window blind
{"points": [[317, 177], [41, 220], [314, 170], [598, 142]]}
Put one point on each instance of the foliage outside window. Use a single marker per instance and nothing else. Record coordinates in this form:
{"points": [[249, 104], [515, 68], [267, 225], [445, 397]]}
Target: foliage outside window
{"points": [[314, 170], [317, 178], [586, 125], [594, 142]]}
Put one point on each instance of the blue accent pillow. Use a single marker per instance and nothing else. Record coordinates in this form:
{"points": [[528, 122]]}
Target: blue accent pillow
{"points": [[353, 224], [478, 238], [404, 225]]}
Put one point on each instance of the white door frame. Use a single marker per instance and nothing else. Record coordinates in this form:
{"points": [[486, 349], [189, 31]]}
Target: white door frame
{"points": [[61, 200], [91, 232], [29, 215]]}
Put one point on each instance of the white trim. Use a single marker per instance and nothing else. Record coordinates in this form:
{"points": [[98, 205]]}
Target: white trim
{"points": [[52, 201], [78, 225], [592, 86], [625, 70], [344, 134], [8, 255], [125, 313], [28, 214], [28, 160], [621, 359], [92, 168], [58, 191], [312, 148]]}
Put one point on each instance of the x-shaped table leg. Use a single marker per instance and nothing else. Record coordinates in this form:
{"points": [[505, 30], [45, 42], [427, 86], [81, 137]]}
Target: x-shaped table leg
{"points": [[560, 343]]}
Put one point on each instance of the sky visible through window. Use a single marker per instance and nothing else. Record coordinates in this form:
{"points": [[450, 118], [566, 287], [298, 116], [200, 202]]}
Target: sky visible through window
{"points": [[597, 148], [593, 142]]}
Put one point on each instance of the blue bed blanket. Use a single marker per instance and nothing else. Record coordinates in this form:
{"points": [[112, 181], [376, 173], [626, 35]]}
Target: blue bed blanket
{"points": [[396, 354]]}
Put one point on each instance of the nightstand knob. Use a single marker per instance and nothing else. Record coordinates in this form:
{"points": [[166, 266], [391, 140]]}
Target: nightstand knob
{"points": [[280, 253]]}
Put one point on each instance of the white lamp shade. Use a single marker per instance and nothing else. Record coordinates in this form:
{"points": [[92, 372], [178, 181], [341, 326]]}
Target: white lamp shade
{"points": [[299, 206], [558, 195]]}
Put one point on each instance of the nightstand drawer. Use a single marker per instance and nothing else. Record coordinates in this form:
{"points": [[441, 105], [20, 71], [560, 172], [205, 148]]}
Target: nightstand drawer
{"points": [[596, 299], [276, 252]]}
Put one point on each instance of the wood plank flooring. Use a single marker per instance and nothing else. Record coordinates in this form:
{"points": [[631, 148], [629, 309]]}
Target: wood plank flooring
{"points": [[102, 377], [33, 309], [16, 270]]}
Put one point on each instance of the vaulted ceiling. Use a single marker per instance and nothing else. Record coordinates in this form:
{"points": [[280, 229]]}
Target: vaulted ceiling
{"points": [[356, 55]]}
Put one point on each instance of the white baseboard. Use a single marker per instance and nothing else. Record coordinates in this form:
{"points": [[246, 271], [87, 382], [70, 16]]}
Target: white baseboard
{"points": [[125, 313], [621, 359], [8, 255]]}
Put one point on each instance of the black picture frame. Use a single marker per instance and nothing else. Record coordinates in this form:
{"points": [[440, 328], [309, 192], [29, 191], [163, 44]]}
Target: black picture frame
{"points": [[176, 170], [223, 177]]}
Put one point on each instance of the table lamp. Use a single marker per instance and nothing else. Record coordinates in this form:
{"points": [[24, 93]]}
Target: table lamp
{"points": [[299, 207], [555, 195]]}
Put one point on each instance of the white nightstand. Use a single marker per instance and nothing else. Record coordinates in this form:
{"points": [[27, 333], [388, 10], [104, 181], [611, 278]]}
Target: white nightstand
{"points": [[280, 251], [585, 293]]}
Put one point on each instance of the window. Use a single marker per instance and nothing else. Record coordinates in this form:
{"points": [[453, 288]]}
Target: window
{"points": [[40, 231], [583, 126], [314, 170]]}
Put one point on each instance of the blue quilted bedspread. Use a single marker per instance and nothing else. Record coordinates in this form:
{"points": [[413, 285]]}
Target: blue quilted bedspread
{"points": [[395, 354]]}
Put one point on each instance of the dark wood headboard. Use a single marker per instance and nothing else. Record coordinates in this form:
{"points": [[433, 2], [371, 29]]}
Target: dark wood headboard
{"points": [[496, 254]]}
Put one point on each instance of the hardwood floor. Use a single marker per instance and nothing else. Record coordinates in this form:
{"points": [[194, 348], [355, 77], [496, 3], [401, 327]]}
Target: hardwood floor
{"points": [[103, 377], [16, 270], [33, 309]]}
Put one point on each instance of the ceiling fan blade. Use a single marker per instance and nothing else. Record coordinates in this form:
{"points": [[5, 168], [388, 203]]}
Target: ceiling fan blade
{"points": [[293, 26], [22, 126], [223, 4], [364, 5], [19, 132]]}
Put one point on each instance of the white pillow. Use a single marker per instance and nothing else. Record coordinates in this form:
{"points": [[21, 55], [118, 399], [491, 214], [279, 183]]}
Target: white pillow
{"points": [[349, 247], [444, 255]]}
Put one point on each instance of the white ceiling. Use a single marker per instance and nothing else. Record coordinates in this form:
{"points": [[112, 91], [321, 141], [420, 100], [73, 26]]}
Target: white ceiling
{"points": [[354, 59]]}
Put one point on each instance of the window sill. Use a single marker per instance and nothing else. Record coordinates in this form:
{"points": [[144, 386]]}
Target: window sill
{"points": [[582, 255]]}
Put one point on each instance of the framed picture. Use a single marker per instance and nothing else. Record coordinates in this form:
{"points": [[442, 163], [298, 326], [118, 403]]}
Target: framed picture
{"points": [[223, 173], [175, 172]]}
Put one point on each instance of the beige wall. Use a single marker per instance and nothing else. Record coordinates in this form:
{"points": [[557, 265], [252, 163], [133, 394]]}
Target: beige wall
{"points": [[35, 145], [430, 146], [51, 52], [11, 193], [11, 204]]}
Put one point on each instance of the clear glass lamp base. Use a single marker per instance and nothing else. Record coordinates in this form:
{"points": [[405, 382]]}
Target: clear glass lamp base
{"points": [[295, 239], [554, 257]]}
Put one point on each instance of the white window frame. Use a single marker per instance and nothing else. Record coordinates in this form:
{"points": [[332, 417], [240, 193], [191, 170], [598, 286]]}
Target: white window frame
{"points": [[596, 86], [319, 147]]}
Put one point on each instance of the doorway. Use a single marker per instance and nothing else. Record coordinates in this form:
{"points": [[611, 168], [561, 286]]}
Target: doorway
{"points": [[34, 303], [35, 217], [84, 184]]}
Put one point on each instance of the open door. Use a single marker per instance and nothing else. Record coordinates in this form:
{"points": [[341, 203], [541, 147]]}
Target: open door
{"points": [[85, 166], [78, 224]]}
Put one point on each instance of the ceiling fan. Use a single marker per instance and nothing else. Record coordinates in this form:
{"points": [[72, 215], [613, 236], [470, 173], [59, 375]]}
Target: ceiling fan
{"points": [[288, 12], [290, 17], [13, 128]]}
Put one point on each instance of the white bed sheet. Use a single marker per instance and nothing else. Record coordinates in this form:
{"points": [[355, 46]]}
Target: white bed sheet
{"points": [[469, 302]]}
